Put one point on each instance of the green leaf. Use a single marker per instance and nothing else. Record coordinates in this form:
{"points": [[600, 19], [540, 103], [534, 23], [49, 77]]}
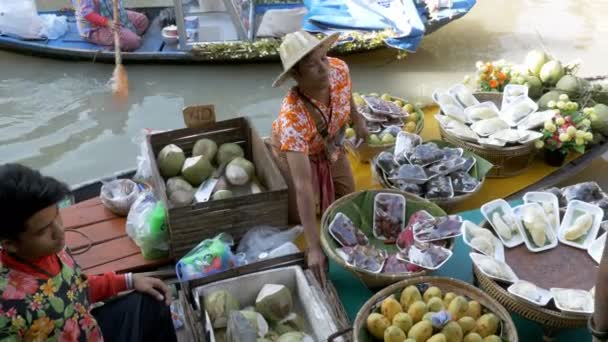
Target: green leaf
{"points": [[28, 317], [40, 313], [69, 311], [11, 338], [4, 321], [579, 148], [59, 323], [67, 273], [57, 304]]}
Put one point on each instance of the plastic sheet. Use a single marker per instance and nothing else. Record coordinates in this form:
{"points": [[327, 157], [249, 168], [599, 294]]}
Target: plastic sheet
{"points": [[260, 241], [146, 225]]}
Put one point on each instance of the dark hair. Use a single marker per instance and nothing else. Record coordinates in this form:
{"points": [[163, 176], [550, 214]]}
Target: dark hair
{"points": [[23, 193]]}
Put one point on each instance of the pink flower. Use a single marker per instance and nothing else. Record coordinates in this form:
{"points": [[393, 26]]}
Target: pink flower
{"points": [[87, 321], [12, 312], [35, 306], [19, 285], [71, 331], [94, 335]]}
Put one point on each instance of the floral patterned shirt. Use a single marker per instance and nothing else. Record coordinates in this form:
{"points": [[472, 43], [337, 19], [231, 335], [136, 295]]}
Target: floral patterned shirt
{"points": [[296, 130]]}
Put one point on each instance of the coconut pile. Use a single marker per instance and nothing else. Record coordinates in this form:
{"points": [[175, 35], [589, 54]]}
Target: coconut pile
{"points": [[270, 319], [184, 175]]}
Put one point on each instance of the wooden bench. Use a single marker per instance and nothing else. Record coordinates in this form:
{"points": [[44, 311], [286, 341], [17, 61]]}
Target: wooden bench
{"points": [[112, 250]]}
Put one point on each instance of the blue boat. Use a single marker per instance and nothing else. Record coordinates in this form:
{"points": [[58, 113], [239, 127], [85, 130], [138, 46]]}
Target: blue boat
{"points": [[71, 46]]}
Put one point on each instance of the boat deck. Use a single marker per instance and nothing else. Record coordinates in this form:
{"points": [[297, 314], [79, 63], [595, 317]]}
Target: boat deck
{"points": [[112, 250]]}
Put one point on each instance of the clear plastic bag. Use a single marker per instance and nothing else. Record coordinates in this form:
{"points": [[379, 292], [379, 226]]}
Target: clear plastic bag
{"points": [[144, 166], [264, 239], [118, 195], [208, 257], [20, 18], [146, 225], [54, 26]]}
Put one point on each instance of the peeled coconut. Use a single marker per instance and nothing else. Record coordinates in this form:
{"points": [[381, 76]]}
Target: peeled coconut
{"points": [[181, 198], [568, 83], [227, 152], [274, 302], [206, 148], [175, 184], [218, 305], [295, 337], [257, 321], [535, 60], [551, 72], [196, 170], [170, 160], [221, 194], [239, 171], [293, 322]]}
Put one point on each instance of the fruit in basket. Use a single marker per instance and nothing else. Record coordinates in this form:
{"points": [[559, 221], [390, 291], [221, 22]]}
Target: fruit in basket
{"points": [[170, 160], [431, 292], [390, 307], [452, 332], [435, 304], [295, 337], [239, 171], [403, 321], [599, 118], [458, 307], [218, 305], [274, 302], [551, 72], [178, 184], [581, 226], [196, 170], [474, 310], [437, 338], [386, 97], [394, 334], [472, 337], [409, 295], [421, 331], [377, 324], [408, 107], [373, 139], [467, 324], [417, 310], [227, 152], [181, 198], [448, 298], [410, 127], [387, 139], [487, 325], [492, 338], [428, 316], [535, 60], [206, 148], [350, 133], [257, 321]]}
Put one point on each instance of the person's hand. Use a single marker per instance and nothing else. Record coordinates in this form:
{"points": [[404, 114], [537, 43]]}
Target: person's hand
{"points": [[317, 263], [153, 287], [361, 131], [113, 26]]}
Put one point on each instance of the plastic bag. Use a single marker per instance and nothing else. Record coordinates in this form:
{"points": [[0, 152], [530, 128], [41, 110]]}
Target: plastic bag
{"points": [[264, 239], [118, 195], [54, 26], [144, 166], [20, 18], [208, 257], [146, 225]]}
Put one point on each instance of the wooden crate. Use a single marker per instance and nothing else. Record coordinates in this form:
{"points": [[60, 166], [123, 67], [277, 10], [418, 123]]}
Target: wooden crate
{"points": [[189, 225]]}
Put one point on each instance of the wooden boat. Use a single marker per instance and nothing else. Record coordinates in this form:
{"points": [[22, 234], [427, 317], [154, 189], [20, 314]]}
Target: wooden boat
{"points": [[72, 46]]}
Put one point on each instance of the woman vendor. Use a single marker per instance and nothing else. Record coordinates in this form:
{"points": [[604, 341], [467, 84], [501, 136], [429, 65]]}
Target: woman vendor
{"points": [[308, 135], [96, 24], [44, 295]]}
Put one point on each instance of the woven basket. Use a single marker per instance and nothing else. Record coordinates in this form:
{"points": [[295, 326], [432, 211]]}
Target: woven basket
{"points": [[508, 333], [371, 280], [508, 161]]}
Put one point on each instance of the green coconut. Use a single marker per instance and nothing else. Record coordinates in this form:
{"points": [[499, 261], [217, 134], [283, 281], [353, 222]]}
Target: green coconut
{"points": [[296, 336], [535, 86], [196, 170], [181, 198], [552, 95], [221, 194], [534, 61], [551, 72], [274, 302], [206, 148], [240, 171], [568, 83], [170, 160], [218, 305], [293, 322], [257, 321], [175, 184], [227, 152], [240, 328], [599, 122]]}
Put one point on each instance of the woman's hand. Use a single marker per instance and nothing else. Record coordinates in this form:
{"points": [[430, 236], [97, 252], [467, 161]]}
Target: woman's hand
{"points": [[361, 131], [153, 287], [115, 27], [317, 263]]}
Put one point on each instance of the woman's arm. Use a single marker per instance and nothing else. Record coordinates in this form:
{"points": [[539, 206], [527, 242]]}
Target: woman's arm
{"points": [[299, 165], [358, 120]]}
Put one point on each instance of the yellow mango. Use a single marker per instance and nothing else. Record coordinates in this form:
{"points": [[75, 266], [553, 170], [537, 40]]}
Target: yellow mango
{"points": [[403, 321], [435, 304], [431, 292], [409, 295], [492, 338], [472, 337], [437, 338], [458, 307], [377, 324], [487, 325], [390, 307], [448, 298], [421, 331], [394, 334], [452, 332], [474, 309], [417, 310], [467, 324]]}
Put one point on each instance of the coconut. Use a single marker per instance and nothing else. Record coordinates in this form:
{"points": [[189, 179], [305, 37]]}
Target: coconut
{"points": [[551, 72], [534, 61], [569, 84], [535, 86], [196, 170], [599, 122], [239, 171], [221, 194], [170, 160], [257, 321], [175, 184], [293, 322], [181, 198], [274, 302], [552, 95], [218, 305], [295, 337], [227, 152], [206, 148]]}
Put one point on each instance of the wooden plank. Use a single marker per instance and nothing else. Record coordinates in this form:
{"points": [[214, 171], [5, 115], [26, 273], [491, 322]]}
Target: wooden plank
{"points": [[92, 202], [112, 250], [132, 263], [74, 217], [98, 233]]}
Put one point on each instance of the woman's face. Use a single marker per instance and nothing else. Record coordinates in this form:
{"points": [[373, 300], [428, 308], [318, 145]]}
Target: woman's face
{"points": [[313, 70]]}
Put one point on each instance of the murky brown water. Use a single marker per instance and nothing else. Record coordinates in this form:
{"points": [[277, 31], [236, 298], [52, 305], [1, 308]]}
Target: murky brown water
{"points": [[57, 115]]}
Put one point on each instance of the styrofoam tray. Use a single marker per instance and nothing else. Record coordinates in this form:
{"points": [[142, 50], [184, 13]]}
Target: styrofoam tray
{"points": [[488, 104], [545, 197], [511, 277], [506, 113], [544, 298], [512, 92], [489, 208], [551, 238], [537, 119], [405, 257], [589, 305], [499, 248], [459, 90], [573, 211], [596, 249], [416, 226]]}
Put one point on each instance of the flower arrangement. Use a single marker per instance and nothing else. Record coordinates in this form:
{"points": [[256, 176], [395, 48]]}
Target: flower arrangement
{"points": [[493, 76], [569, 130]]}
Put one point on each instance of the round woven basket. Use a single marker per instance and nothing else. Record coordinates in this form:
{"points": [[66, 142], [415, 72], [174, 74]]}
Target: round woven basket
{"points": [[508, 330], [370, 279], [508, 161], [546, 316]]}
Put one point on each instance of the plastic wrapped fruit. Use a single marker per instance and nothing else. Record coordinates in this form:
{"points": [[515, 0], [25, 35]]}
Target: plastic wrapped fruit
{"points": [[389, 211], [406, 238], [425, 154], [386, 162], [409, 187], [586, 192], [411, 173], [365, 257], [344, 231], [437, 228], [463, 182], [394, 265], [439, 187]]}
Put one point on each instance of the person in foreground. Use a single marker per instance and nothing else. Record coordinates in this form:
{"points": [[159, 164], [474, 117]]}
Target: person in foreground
{"points": [[598, 322], [43, 293], [308, 135], [95, 23]]}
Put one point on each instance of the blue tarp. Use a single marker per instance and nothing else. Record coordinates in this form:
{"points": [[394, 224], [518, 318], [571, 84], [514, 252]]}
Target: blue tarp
{"points": [[408, 18]]}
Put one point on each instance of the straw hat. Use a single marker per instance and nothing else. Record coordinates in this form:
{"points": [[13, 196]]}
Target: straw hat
{"points": [[296, 46]]}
